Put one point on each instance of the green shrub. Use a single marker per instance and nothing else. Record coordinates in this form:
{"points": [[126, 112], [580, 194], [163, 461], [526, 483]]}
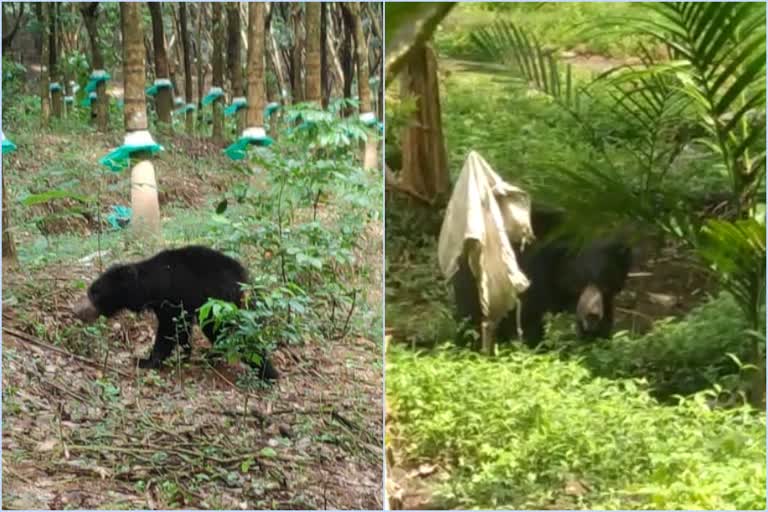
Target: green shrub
{"points": [[516, 430]]}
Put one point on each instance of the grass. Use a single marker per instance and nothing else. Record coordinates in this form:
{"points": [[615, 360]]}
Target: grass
{"points": [[554, 24], [520, 431]]}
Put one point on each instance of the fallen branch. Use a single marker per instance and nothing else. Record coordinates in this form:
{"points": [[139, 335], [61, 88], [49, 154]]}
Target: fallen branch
{"points": [[26, 338]]}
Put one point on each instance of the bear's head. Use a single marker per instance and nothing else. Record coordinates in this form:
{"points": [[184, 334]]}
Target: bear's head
{"points": [[114, 290]]}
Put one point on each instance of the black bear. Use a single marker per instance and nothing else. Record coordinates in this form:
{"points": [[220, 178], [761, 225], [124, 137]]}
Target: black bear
{"points": [[173, 284], [564, 276]]}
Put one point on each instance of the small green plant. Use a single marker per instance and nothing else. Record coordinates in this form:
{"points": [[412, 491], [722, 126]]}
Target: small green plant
{"points": [[517, 431]]}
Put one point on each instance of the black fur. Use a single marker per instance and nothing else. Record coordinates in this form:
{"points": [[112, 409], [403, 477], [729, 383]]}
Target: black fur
{"points": [[563, 275], [173, 284]]}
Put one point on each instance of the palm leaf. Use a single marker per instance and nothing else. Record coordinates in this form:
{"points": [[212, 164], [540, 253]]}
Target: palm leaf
{"points": [[722, 49], [736, 251], [504, 41]]}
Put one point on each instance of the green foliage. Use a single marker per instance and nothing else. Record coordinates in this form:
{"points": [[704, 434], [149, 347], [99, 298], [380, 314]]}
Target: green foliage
{"points": [[719, 52], [13, 77], [312, 259], [678, 356], [249, 334], [556, 23], [516, 430], [736, 250]]}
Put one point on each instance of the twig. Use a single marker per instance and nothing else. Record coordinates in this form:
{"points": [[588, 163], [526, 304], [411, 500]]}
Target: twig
{"points": [[22, 336], [345, 329]]}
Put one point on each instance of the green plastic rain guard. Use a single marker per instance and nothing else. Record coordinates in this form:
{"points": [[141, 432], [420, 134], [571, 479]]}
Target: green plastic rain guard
{"points": [[8, 146], [120, 216], [270, 109], [160, 83], [98, 76], [89, 99], [237, 104], [54, 87], [69, 100], [189, 107], [120, 158], [214, 94], [177, 102], [250, 136]]}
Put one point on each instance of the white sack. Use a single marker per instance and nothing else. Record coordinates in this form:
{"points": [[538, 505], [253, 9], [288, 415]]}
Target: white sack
{"points": [[483, 208]]}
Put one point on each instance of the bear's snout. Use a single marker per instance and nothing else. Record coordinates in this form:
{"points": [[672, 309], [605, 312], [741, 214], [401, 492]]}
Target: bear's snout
{"points": [[85, 310]]}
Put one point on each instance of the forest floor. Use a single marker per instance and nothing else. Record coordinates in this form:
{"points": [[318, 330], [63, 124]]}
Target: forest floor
{"points": [[83, 428]]}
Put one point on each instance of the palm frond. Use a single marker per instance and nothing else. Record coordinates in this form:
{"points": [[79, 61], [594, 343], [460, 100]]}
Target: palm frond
{"points": [[504, 41]]}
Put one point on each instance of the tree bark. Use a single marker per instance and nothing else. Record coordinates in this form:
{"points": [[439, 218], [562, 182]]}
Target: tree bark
{"points": [[199, 60], [325, 75], [370, 149], [8, 37], [256, 90], [234, 62], [190, 118], [164, 99], [145, 224], [314, 83], [9, 246], [44, 12], [218, 69], [347, 57], [57, 97], [90, 12], [361, 51], [234, 49], [425, 168], [297, 87], [135, 109], [282, 81]]}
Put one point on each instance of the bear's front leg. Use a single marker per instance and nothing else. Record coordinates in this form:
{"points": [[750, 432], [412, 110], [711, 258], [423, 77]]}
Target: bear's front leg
{"points": [[171, 329]]}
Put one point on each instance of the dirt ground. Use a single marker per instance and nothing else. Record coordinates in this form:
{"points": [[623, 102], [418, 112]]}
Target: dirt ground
{"points": [[93, 433]]}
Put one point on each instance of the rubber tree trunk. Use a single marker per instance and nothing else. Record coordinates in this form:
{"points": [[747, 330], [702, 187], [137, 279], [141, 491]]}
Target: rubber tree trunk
{"points": [[314, 83], [425, 168], [347, 57], [145, 221], [190, 116], [10, 32], [325, 74], [9, 247], [90, 14], [256, 90], [57, 97], [199, 62], [44, 12], [164, 99], [234, 51], [370, 158], [297, 87], [218, 69]]}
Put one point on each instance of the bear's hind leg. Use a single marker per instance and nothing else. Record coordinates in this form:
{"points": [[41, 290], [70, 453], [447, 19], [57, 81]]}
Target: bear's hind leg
{"points": [[171, 329]]}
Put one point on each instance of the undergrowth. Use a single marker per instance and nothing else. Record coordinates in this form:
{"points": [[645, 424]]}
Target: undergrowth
{"points": [[522, 430]]}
